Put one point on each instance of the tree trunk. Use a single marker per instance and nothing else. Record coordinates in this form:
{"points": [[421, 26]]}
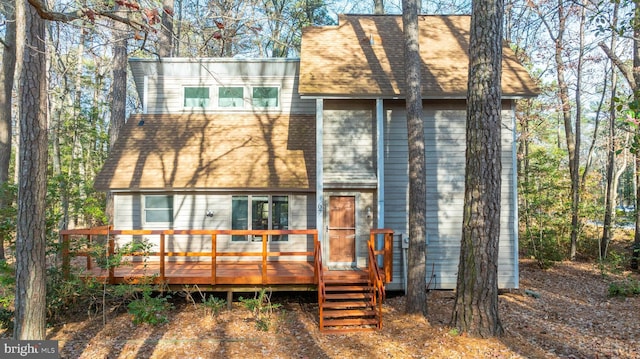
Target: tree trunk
{"points": [[165, 36], [378, 7], [476, 304], [30, 306], [610, 196], [119, 85], [635, 256], [416, 261], [6, 78]]}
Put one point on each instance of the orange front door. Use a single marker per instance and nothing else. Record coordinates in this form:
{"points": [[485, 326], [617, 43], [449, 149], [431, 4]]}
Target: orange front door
{"points": [[342, 230]]}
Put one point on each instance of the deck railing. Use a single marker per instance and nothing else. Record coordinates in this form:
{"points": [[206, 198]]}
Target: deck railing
{"points": [[214, 254]]}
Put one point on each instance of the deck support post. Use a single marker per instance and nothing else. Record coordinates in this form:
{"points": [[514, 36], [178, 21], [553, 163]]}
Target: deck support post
{"points": [[264, 258], [66, 261], [112, 247], [214, 252], [229, 299], [162, 258], [388, 257], [88, 247]]}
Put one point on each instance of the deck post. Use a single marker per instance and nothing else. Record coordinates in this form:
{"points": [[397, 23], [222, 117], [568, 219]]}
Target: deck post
{"points": [[388, 256], [214, 251], [66, 261], [88, 256], [162, 238], [112, 247], [264, 258]]}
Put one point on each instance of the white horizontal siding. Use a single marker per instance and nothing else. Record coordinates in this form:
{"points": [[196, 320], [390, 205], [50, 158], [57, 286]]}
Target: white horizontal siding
{"points": [[165, 81], [348, 141], [190, 213]]}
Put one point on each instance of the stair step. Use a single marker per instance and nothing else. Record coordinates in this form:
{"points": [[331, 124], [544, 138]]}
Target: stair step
{"points": [[346, 304], [347, 295], [344, 313], [348, 322], [346, 288], [339, 282]]}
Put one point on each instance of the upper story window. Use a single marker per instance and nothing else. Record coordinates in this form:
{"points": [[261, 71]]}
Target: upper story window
{"points": [[158, 209], [196, 97], [265, 97], [232, 97]]}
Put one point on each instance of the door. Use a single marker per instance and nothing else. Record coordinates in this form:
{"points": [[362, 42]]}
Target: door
{"points": [[342, 231]]}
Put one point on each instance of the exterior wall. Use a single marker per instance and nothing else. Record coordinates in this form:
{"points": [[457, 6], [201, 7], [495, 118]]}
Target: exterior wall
{"points": [[349, 143], [445, 157], [349, 165], [364, 222], [160, 84], [189, 212]]}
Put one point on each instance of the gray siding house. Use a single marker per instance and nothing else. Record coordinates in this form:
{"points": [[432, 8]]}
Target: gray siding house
{"points": [[318, 142]]}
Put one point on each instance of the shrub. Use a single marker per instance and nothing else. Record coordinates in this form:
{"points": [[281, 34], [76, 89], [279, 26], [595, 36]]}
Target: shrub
{"points": [[261, 308], [149, 309], [213, 305], [628, 287]]}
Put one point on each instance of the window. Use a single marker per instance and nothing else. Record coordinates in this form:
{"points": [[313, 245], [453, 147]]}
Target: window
{"points": [[231, 97], [196, 96], [158, 209], [265, 97], [260, 212]]}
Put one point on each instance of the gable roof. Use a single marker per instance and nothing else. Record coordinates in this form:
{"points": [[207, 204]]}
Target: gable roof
{"points": [[197, 151], [364, 56]]}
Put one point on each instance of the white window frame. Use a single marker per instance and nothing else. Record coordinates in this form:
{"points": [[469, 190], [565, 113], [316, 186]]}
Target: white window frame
{"points": [[145, 210], [250, 219], [184, 96], [231, 108], [278, 97]]}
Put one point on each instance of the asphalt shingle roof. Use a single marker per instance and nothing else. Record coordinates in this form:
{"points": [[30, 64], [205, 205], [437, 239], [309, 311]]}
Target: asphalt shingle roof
{"points": [[364, 56], [212, 151]]}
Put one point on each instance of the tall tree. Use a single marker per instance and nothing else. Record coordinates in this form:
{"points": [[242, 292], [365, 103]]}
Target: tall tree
{"points": [[6, 78], [416, 261], [632, 75], [165, 35], [611, 186], [476, 303], [378, 7], [30, 314], [119, 84]]}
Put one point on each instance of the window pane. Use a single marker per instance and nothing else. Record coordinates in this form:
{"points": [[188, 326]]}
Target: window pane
{"points": [[265, 96], [158, 202], [280, 215], [196, 96], [158, 209], [239, 215], [159, 215], [259, 213], [230, 97]]}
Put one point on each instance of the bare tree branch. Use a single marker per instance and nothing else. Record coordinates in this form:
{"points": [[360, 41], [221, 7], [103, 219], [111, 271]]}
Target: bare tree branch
{"points": [[90, 14], [626, 70]]}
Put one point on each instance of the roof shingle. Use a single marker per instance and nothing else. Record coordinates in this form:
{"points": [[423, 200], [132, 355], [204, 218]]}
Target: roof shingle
{"points": [[364, 56], [212, 151]]}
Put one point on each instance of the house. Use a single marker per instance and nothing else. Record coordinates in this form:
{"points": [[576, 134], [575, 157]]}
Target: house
{"points": [[318, 142]]}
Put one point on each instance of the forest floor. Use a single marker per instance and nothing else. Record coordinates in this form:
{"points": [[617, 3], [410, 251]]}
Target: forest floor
{"points": [[561, 312]]}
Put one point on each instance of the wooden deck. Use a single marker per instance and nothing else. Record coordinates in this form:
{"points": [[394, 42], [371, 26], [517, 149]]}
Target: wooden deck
{"points": [[213, 269], [227, 273]]}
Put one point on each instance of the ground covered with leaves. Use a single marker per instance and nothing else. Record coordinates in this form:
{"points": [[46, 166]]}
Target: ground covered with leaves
{"points": [[561, 312]]}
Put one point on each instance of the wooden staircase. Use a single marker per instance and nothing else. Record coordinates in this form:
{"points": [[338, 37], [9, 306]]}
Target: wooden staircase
{"points": [[349, 303], [351, 300]]}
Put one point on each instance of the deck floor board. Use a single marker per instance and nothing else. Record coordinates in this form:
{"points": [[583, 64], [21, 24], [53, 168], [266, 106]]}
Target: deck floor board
{"points": [[227, 272]]}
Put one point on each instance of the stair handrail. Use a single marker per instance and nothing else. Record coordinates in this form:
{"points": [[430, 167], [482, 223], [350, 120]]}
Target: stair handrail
{"points": [[319, 272], [376, 282]]}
